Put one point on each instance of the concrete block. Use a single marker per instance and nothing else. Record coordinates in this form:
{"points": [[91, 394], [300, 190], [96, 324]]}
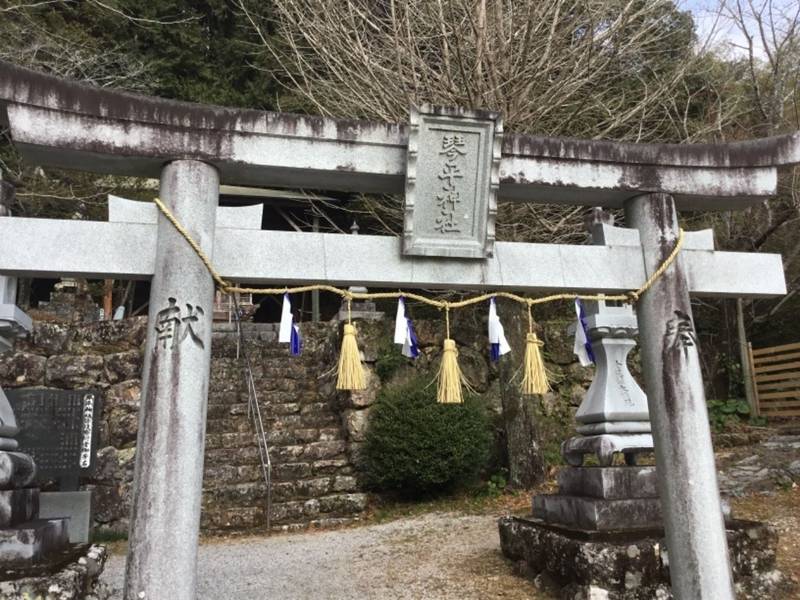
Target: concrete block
{"points": [[610, 483], [75, 506], [32, 541], [122, 210], [18, 506], [598, 514]]}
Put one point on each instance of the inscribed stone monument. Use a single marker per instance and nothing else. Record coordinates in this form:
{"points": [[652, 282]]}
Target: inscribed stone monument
{"points": [[451, 182], [58, 428]]}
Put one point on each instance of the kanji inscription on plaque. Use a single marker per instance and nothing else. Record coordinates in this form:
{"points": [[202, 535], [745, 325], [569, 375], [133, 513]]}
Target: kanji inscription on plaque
{"points": [[451, 182], [58, 428]]}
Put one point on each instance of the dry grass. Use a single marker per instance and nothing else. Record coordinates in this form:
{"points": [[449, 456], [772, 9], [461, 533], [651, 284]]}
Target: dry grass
{"points": [[782, 509]]}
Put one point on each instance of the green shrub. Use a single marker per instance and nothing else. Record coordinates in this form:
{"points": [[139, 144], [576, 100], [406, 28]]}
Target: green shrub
{"points": [[415, 446], [388, 361], [723, 413]]}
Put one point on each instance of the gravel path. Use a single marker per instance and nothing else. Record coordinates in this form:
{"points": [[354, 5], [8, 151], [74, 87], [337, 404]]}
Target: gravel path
{"points": [[435, 556]]}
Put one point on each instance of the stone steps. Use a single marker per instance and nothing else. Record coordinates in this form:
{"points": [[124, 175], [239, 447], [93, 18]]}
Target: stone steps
{"points": [[313, 481], [327, 510], [248, 493], [327, 452], [273, 393]]}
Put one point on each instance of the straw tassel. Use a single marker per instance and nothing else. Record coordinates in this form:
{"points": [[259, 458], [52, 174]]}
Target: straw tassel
{"points": [[534, 380], [450, 376], [351, 373]]}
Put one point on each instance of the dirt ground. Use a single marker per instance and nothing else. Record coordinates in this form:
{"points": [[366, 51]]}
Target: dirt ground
{"points": [[439, 555], [782, 510], [449, 549]]}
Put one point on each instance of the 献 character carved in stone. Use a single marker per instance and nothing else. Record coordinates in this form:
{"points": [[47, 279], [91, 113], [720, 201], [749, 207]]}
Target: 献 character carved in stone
{"points": [[168, 323], [190, 321], [172, 325]]}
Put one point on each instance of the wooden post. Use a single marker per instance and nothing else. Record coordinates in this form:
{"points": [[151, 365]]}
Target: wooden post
{"points": [[108, 299], [754, 388], [744, 359]]}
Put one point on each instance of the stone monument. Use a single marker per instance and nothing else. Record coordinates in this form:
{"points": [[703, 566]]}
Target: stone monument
{"points": [[36, 556], [59, 429]]}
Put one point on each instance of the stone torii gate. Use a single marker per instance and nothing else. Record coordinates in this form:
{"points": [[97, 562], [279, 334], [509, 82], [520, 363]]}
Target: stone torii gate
{"points": [[194, 148]]}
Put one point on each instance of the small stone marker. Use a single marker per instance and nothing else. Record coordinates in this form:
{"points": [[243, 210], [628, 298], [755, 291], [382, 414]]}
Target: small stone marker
{"points": [[451, 182], [77, 506], [58, 428]]}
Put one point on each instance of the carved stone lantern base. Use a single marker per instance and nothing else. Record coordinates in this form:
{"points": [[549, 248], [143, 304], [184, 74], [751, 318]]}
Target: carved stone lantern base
{"points": [[605, 446]]}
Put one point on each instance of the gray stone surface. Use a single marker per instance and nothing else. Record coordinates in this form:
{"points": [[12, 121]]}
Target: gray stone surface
{"points": [[604, 446], [761, 468], [122, 210], [13, 324], [169, 459], [452, 177], [688, 489], [32, 541], [76, 506], [634, 568], [75, 579], [18, 506], [54, 122], [614, 396], [609, 482], [98, 250], [598, 514]]}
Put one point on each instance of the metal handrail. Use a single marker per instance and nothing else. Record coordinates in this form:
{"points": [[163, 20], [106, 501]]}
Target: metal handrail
{"points": [[254, 413]]}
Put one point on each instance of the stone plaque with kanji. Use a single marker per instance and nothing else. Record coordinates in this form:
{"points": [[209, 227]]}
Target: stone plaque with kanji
{"points": [[58, 428], [451, 182]]}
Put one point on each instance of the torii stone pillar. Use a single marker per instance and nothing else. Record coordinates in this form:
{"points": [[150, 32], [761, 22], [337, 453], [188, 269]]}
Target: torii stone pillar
{"points": [[690, 504], [165, 517]]}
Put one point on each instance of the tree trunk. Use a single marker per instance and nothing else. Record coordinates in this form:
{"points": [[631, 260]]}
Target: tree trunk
{"points": [[525, 461]]}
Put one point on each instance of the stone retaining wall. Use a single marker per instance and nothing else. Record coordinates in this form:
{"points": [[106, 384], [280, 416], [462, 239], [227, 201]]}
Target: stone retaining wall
{"points": [[313, 478], [314, 432]]}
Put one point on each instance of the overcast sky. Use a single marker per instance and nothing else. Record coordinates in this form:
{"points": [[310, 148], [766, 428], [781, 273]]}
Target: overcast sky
{"points": [[725, 35]]}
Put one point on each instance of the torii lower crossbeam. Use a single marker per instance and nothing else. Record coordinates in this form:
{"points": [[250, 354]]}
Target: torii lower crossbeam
{"points": [[98, 250]]}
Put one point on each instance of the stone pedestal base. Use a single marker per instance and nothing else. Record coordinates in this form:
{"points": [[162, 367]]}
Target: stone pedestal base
{"points": [[68, 575], [612, 483], [17, 470], [630, 565], [365, 311], [605, 446], [604, 499], [32, 542], [75, 506], [598, 514]]}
